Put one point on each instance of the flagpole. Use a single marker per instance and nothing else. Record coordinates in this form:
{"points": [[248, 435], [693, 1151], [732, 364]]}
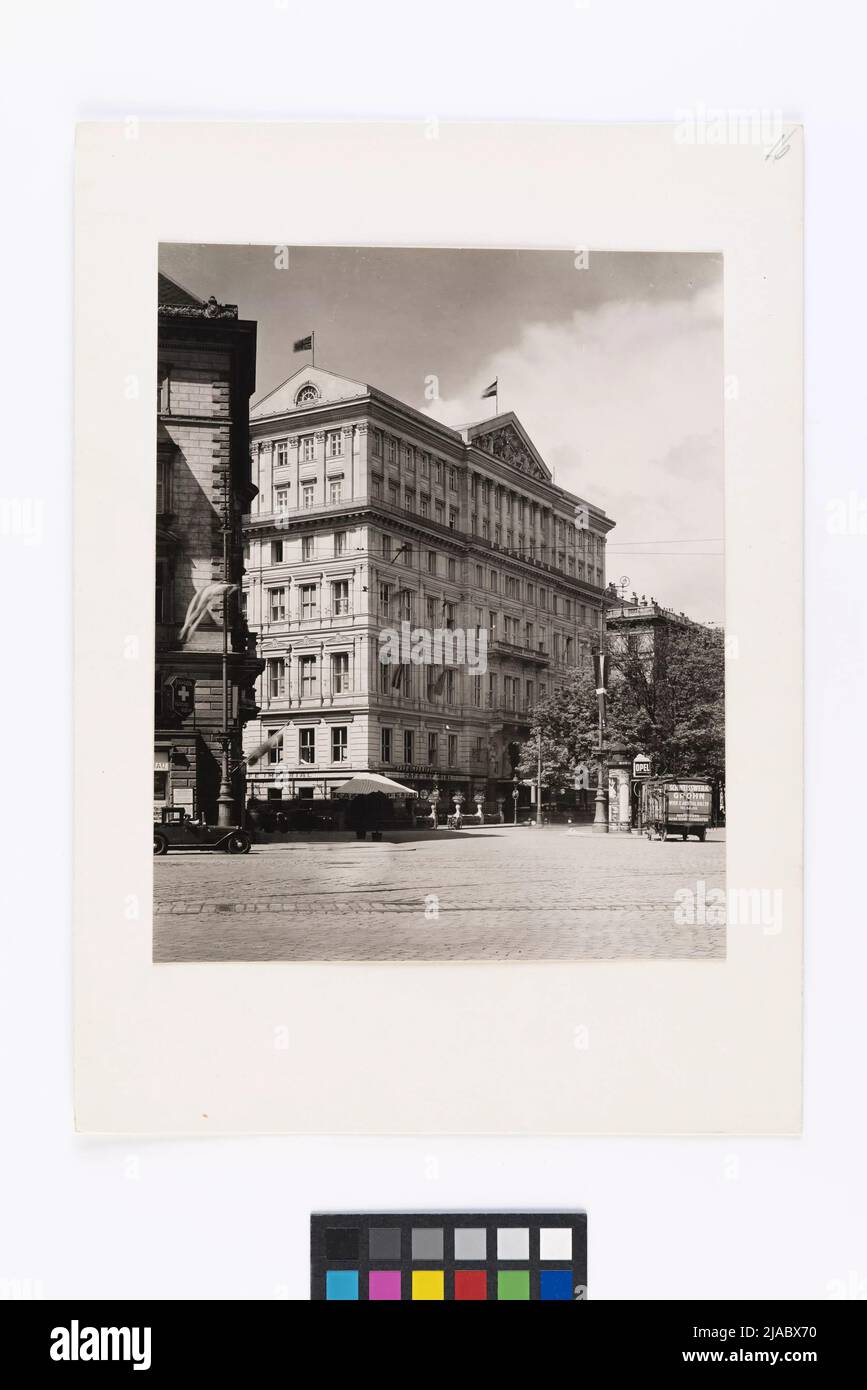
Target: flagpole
{"points": [[313, 348]]}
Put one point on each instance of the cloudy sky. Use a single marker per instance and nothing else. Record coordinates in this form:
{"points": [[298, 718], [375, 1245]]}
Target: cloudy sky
{"points": [[615, 370]]}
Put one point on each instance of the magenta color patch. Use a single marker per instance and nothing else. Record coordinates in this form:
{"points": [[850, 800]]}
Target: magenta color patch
{"points": [[384, 1283]]}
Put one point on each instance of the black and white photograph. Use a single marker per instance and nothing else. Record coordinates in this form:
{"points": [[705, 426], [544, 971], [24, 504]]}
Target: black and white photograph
{"points": [[440, 633]]}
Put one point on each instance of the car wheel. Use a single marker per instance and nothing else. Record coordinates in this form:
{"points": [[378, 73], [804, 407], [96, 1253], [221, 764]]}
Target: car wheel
{"points": [[238, 843], [161, 844]]}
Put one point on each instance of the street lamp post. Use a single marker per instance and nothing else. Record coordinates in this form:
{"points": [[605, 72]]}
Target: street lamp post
{"points": [[225, 799], [600, 815], [515, 795]]}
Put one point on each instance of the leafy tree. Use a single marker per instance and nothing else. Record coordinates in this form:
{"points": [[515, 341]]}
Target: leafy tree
{"points": [[666, 699]]}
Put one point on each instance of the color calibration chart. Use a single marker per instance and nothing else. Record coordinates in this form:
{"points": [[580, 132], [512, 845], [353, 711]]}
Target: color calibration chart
{"points": [[448, 1257]]}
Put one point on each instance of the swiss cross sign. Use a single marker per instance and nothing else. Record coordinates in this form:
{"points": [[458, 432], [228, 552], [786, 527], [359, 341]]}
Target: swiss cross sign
{"points": [[183, 690]]}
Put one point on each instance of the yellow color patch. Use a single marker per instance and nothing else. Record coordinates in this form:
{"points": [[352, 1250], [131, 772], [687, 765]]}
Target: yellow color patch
{"points": [[428, 1284]]}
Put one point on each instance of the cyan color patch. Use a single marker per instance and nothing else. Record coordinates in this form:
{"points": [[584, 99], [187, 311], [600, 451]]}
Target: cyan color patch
{"points": [[341, 1285]]}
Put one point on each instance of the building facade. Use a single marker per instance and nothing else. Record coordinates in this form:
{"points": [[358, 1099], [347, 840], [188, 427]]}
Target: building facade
{"points": [[206, 375], [370, 516], [642, 626]]}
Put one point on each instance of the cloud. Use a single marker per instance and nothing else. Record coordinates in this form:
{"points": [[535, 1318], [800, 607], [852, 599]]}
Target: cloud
{"points": [[625, 403]]}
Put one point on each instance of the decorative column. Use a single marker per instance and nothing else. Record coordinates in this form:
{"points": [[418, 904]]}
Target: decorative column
{"points": [[319, 461], [360, 480]]}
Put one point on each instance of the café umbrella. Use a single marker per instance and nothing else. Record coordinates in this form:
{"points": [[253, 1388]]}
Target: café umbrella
{"points": [[366, 782]]}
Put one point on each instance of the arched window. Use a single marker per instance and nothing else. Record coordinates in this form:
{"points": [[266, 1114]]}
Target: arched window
{"points": [[307, 395]]}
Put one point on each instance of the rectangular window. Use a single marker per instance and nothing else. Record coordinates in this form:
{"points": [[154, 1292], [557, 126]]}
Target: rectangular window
{"points": [[407, 745], [452, 569], [308, 547], [164, 484], [333, 444], [340, 673], [277, 678], [339, 743], [392, 451], [275, 752], [431, 562], [409, 501], [492, 691], [425, 466], [281, 500], [282, 456], [529, 694], [340, 598], [308, 601], [453, 518], [276, 552], [308, 491], [339, 542], [306, 448], [385, 745], [453, 480], [477, 692], [406, 605], [432, 749], [486, 530], [393, 494], [478, 749], [277, 604], [453, 750], [375, 486], [450, 689], [531, 593], [306, 745], [410, 457], [492, 577], [424, 505], [307, 669], [335, 489], [164, 596], [439, 512], [386, 547], [376, 444], [480, 577], [384, 599]]}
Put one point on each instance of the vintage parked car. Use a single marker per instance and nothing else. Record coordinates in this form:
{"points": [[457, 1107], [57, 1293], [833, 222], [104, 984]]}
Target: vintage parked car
{"points": [[676, 806], [176, 830]]}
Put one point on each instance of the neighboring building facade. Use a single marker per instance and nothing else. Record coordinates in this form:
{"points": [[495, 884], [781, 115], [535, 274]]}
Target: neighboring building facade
{"points": [[206, 375], [369, 514], [642, 624]]}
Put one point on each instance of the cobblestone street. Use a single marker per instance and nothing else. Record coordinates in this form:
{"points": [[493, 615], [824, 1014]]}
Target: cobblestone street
{"points": [[494, 894]]}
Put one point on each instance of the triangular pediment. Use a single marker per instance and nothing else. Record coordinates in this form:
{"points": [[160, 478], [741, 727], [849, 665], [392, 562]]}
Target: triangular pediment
{"points": [[307, 388], [506, 440]]}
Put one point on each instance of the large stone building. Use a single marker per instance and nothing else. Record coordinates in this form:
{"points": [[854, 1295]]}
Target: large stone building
{"points": [[369, 514], [642, 626], [207, 367]]}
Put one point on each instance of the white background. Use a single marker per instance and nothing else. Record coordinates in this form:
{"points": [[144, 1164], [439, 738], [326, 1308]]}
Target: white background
{"points": [[668, 1218]]}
